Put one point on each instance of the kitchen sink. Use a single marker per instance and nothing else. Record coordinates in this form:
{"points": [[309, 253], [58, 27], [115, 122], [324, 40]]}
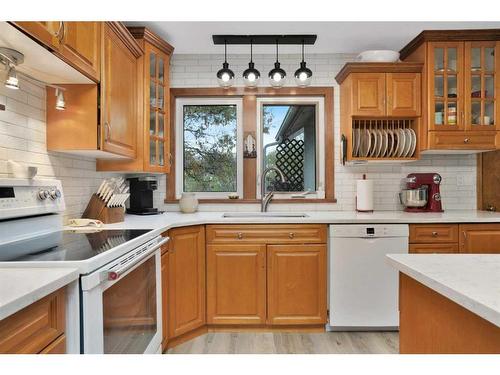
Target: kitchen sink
{"points": [[264, 214]]}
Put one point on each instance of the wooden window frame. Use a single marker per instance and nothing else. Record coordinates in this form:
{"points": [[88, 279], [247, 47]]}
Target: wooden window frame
{"points": [[249, 98]]}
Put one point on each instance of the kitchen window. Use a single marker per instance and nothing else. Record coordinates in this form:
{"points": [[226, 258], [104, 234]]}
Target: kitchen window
{"points": [[290, 137], [209, 155]]}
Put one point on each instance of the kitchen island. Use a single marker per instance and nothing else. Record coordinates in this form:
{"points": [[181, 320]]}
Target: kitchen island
{"points": [[449, 303]]}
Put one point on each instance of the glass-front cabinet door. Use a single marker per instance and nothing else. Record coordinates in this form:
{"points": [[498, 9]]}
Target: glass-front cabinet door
{"points": [[446, 86], [481, 85], [157, 139]]}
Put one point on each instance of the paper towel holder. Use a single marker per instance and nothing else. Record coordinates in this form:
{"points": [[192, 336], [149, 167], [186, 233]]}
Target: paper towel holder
{"points": [[356, 202]]}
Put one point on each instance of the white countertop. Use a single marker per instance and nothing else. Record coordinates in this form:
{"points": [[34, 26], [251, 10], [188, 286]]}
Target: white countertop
{"points": [[20, 287], [470, 280], [176, 219]]}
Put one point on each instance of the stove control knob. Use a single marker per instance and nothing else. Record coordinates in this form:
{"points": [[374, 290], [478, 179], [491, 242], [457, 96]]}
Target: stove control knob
{"points": [[43, 194], [54, 194]]}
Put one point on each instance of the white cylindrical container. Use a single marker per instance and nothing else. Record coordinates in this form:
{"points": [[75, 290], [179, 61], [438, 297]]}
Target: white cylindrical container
{"points": [[364, 195], [188, 203]]}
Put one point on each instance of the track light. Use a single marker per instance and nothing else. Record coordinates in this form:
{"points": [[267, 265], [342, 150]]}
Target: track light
{"points": [[303, 75], [251, 76], [277, 75], [12, 82], [60, 102], [225, 76]]}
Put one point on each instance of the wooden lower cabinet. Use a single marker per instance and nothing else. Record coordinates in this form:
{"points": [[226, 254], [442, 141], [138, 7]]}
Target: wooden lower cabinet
{"points": [[433, 324], [186, 280], [236, 284], [58, 346], [164, 299], [296, 277], [429, 248], [37, 328], [479, 238], [455, 238]]}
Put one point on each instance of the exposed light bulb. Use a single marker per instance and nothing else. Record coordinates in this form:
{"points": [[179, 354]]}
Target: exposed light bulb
{"points": [[277, 77], [303, 76], [225, 77], [251, 77]]}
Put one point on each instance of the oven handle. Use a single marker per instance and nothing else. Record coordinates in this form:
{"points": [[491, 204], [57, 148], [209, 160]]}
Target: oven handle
{"points": [[115, 274]]}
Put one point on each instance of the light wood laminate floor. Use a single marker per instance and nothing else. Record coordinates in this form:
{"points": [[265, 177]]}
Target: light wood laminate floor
{"points": [[292, 343]]}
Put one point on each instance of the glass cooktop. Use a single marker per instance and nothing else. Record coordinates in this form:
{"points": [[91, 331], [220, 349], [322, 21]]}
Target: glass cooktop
{"points": [[66, 245]]}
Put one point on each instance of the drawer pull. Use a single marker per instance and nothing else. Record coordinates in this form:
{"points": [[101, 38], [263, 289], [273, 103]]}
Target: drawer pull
{"points": [[466, 140], [434, 234], [291, 235], [240, 235]]}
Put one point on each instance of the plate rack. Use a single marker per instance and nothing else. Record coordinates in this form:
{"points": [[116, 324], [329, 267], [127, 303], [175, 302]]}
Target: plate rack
{"points": [[384, 139]]}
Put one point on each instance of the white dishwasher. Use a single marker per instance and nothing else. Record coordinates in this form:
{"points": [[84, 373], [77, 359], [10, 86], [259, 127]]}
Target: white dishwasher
{"points": [[363, 288]]}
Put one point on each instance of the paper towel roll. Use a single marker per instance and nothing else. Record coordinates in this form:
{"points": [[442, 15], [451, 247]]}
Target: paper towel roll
{"points": [[364, 195]]}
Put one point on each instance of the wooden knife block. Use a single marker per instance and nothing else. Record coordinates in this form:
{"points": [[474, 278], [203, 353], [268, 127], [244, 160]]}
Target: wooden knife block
{"points": [[96, 209]]}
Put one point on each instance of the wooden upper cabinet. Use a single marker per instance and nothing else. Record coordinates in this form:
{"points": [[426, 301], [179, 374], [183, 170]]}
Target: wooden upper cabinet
{"points": [[119, 101], [460, 88], [479, 238], [186, 280], [236, 284], [80, 46], [296, 289], [368, 94], [48, 33], [153, 130], [403, 94], [446, 82], [482, 85], [77, 43]]}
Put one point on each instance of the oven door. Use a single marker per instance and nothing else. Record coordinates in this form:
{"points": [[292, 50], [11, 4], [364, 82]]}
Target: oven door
{"points": [[121, 304]]}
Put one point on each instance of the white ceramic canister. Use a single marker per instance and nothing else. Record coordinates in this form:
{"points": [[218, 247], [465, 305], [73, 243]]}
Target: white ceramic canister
{"points": [[188, 203]]}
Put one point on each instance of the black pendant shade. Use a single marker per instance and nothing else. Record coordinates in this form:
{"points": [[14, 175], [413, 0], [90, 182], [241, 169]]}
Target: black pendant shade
{"points": [[225, 76]]}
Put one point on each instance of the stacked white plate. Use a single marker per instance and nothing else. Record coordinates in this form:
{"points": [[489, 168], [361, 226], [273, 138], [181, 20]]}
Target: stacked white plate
{"points": [[384, 143]]}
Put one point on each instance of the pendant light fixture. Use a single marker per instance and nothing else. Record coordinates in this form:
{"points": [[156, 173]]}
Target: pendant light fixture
{"points": [[277, 75], [251, 76], [225, 76], [303, 75]]}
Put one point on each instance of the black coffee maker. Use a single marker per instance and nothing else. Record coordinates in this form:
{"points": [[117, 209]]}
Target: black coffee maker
{"points": [[141, 196]]}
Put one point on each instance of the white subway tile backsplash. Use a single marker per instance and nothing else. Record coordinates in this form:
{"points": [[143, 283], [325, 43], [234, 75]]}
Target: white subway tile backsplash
{"points": [[192, 71], [23, 139]]}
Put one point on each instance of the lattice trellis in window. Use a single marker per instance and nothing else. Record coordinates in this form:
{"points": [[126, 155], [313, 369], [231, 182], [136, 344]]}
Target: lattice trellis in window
{"points": [[290, 160]]}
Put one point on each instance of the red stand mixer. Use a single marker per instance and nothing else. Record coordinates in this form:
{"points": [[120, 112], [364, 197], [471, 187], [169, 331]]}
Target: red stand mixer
{"points": [[422, 193]]}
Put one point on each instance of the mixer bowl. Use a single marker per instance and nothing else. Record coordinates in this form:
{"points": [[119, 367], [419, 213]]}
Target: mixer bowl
{"points": [[413, 197]]}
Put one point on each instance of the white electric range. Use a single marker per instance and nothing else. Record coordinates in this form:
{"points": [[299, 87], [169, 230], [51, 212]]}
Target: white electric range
{"points": [[120, 270]]}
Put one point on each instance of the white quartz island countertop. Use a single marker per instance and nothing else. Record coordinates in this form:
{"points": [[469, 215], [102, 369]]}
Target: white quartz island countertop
{"points": [[175, 219], [20, 287], [470, 280]]}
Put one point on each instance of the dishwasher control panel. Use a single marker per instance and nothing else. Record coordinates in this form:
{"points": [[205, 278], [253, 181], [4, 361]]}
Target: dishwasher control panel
{"points": [[369, 230]]}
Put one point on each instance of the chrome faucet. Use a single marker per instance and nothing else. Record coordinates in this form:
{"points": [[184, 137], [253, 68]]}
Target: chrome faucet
{"points": [[266, 198]]}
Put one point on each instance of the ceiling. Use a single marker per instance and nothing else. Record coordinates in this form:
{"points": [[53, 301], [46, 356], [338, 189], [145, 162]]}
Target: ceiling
{"points": [[333, 37]]}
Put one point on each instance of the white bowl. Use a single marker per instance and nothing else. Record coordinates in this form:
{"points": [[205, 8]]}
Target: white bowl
{"points": [[378, 56]]}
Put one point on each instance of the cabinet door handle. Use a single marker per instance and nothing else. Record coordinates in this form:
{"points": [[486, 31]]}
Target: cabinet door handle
{"points": [[59, 31], [466, 140], [107, 130], [170, 158], [291, 235], [240, 235], [434, 234]]}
